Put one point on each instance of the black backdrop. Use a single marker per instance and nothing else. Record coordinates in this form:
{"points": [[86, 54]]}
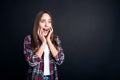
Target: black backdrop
{"points": [[89, 30]]}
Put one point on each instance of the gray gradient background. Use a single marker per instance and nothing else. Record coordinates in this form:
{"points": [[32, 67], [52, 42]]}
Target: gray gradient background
{"points": [[89, 30]]}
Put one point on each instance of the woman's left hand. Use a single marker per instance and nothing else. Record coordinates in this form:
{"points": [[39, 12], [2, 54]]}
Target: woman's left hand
{"points": [[49, 34]]}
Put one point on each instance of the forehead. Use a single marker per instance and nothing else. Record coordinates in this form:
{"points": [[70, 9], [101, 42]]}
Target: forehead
{"points": [[46, 16]]}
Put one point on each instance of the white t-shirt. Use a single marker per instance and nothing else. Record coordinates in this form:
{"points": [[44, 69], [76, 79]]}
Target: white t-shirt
{"points": [[46, 60]]}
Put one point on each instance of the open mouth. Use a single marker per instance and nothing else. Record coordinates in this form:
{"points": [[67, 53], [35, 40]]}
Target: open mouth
{"points": [[45, 29]]}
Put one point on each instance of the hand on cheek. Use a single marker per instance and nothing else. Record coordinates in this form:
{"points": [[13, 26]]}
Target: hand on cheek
{"points": [[41, 35], [49, 34]]}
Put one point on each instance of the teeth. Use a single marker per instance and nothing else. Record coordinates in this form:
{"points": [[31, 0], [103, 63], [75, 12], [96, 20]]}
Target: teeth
{"points": [[45, 29]]}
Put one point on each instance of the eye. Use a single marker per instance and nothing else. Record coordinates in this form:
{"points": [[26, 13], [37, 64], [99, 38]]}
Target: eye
{"points": [[42, 21], [49, 21]]}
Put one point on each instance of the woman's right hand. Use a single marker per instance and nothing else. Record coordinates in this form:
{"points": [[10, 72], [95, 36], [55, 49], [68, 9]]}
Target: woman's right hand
{"points": [[41, 36]]}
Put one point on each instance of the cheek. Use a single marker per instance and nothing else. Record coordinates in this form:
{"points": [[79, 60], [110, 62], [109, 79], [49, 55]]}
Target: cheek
{"points": [[41, 25], [50, 25]]}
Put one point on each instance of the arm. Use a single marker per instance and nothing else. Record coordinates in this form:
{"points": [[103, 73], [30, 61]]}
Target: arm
{"points": [[57, 54], [31, 57], [53, 50], [40, 50], [42, 47], [60, 56]]}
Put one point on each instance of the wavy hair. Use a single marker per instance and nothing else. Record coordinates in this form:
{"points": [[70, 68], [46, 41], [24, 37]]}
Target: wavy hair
{"points": [[34, 38]]}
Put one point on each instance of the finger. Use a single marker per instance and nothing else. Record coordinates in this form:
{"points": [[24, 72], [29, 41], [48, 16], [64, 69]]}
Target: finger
{"points": [[51, 30], [41, 30], [38, 31], [42, 35]]}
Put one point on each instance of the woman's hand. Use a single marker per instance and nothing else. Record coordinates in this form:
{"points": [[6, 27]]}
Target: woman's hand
{"points": [[49, 34], [52, 48], [41, 35]]}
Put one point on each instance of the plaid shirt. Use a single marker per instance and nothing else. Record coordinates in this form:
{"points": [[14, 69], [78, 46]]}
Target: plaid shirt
{"points": [[37, 64]]}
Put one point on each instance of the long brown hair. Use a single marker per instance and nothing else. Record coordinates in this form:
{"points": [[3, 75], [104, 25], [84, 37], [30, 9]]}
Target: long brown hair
{"points": [[34, 38]]}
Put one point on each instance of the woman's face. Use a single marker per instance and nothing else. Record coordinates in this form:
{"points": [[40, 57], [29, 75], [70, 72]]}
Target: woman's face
{"points": [[45, 23]]}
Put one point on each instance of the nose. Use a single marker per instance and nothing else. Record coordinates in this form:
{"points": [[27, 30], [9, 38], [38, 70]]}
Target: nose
{"points": [[46, 24]]}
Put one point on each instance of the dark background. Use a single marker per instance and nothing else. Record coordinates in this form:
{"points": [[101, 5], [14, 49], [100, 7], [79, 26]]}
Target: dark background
{"points": [[89, 30]]}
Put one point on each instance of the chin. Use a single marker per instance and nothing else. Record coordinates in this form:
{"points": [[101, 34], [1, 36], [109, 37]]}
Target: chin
{"points": [[45, 35]]}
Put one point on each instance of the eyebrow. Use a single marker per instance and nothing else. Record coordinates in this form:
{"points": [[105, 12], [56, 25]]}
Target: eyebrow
{"points": [[49, 19], [44, 19]]}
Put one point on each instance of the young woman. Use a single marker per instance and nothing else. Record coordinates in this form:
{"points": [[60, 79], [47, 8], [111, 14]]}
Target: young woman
{"points": [[42, 49]]}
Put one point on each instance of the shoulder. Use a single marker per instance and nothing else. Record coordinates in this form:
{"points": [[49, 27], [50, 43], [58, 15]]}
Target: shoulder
{"points": [[57, 39], [27, 38]]}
